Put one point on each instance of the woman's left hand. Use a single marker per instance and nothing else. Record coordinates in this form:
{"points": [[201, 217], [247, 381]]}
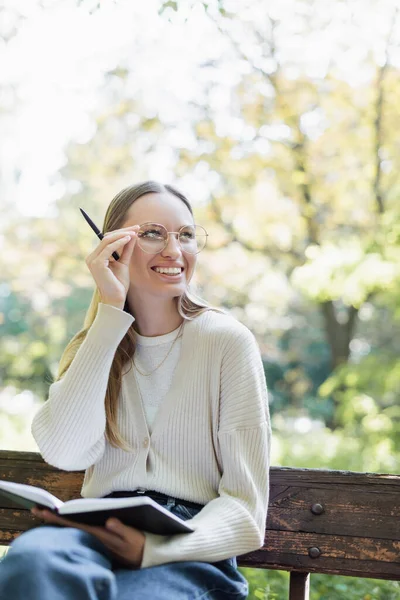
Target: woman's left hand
{"points": [[126, 543]]}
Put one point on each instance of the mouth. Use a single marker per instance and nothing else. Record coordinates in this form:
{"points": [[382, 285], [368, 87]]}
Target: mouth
{"points": [[171, 273]]}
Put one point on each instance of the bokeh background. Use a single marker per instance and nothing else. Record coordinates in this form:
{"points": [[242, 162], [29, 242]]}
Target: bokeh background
{"points": [[280, 121]]}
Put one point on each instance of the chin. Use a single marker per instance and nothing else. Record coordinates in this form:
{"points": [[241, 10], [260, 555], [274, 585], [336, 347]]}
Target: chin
{"points": [[172, 291]]}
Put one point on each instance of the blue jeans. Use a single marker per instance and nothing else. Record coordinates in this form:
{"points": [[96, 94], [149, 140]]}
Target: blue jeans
{"points": [[65, 563]]}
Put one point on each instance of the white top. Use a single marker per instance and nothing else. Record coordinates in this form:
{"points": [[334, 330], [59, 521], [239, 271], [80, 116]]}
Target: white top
{"points": [[210, 442], [151, 352]]}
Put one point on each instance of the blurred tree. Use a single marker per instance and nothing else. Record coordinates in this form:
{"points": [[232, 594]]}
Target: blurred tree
{"points": [[300, 209], [305, 170], [46, 287]]}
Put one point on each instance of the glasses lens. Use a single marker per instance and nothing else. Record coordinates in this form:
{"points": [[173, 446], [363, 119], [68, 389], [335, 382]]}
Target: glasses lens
{"points": [[192, 238], [152, 238]]}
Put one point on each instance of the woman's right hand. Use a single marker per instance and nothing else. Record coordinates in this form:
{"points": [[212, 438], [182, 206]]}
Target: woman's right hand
{"points": [[112, 276]]}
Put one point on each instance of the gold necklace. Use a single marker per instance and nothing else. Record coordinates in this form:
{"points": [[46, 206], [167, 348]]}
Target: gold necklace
{"points": [[165, 357]]}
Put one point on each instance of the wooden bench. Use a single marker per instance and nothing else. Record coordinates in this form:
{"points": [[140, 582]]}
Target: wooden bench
{"points": [[334, 522]]}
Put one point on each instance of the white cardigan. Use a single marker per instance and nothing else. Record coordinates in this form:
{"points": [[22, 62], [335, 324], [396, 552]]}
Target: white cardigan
{"points": [[210, 441]]}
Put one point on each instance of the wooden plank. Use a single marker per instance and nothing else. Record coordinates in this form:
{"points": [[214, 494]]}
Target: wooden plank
{"points": [[357, 532], [280, 476], [386, 499], [345, 511], [356, 557], [292, 476], [15, 522], [30, 468], [16, 455], [299, 588], [283, 550], [343, 514]]}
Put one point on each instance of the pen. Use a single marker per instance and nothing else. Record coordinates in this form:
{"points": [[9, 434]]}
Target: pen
{"points": [[96, 230]]}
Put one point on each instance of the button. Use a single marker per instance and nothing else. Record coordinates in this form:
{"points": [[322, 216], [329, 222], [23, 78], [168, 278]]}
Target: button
{"points": [[145, 442]]}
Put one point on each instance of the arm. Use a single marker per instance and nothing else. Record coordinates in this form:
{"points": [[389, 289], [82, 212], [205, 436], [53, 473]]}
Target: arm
{"points": [[70, 427], [233, 523]]}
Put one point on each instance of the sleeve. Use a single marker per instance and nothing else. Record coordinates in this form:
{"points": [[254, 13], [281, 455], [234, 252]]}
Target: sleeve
{"points": [[70, 426], [234, 522]]}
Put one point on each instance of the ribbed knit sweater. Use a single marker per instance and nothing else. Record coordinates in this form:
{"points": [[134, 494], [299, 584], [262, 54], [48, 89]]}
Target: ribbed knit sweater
{"points": [[210, 442]]}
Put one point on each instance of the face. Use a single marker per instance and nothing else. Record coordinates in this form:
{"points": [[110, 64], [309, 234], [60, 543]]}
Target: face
{"points": [[170, 211]]}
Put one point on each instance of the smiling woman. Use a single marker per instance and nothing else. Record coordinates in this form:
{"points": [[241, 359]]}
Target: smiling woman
{"points": [[159, 394], [159, 213]]}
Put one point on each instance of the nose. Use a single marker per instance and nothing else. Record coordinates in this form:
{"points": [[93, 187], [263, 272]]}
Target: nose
{"points": [[173, 248]]}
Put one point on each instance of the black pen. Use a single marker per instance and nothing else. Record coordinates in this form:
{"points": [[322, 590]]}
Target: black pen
{"points": [[97, 231]]}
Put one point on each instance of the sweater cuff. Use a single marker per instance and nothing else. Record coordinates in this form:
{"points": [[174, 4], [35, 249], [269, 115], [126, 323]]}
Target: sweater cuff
{"points": [[152, 542], [110, 325]]}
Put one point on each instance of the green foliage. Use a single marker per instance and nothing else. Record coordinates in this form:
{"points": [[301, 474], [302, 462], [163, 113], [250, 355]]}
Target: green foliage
{"points": [[172, 4], [274, 585], [266, 585]]}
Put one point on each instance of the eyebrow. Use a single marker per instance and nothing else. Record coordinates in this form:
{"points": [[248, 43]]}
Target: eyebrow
{"points": [[155, 223]]}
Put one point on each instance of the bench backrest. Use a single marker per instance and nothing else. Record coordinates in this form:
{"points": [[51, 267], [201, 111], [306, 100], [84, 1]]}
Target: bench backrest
{"points": [[335, 522]]}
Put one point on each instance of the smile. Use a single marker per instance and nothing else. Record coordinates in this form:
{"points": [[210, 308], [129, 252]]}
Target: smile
{"points": [[168, 270]]}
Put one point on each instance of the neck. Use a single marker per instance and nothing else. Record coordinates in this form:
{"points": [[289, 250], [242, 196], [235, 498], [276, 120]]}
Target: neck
{"points": [[154, 317]]}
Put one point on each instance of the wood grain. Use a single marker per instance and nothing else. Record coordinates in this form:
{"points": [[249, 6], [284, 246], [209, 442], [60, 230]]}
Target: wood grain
{"points": [[356, 534]]}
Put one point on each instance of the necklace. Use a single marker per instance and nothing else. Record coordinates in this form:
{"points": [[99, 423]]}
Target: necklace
{"points": [[165, 357]]}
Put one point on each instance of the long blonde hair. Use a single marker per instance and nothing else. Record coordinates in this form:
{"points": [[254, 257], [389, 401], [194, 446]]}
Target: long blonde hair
{"points": [[188, 305]]}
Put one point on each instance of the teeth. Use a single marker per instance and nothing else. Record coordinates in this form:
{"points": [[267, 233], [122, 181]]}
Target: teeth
{"points": [[168, 270]]}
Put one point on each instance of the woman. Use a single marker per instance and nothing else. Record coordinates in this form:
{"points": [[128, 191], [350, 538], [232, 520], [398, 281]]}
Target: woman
{"points": [[159, 392]]}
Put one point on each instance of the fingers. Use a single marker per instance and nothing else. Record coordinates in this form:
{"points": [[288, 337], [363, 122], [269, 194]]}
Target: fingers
{"points": [[116, 526], [111, 241], [51, 517], [107, 246], [111, 235], [123, 230], [100, 532], [127, 251], [106, 253], [126, 543]]}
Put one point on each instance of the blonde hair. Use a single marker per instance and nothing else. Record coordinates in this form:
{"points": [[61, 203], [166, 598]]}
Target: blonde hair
{"points": [[188, 305]]}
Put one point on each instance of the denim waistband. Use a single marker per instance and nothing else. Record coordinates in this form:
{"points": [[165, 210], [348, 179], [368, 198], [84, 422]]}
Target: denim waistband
{"points": [[157, 496]]}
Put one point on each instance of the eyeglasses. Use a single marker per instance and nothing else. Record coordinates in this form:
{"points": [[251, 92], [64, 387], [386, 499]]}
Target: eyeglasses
{"points": [[153, 238]]}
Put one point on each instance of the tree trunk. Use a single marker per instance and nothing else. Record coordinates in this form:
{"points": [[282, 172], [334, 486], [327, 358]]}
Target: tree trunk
{"points": [[339, 335]]}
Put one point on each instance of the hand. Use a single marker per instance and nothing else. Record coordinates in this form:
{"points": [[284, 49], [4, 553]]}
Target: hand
{"points": [[112, 276], [126, 543]]}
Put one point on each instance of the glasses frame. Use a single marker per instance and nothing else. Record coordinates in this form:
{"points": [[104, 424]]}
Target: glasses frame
{"points": [[176, 233]]}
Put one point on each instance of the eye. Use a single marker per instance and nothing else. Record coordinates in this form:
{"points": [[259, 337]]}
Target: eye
{"points": [[187, 234], [151, 234]]}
